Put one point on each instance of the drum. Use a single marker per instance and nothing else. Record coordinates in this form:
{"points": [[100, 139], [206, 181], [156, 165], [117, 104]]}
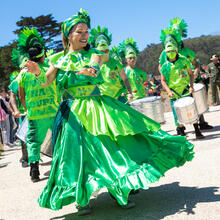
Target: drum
{"points": [[46, 146], [200, 98], [23, 130], [186, 110], [152, 107]]}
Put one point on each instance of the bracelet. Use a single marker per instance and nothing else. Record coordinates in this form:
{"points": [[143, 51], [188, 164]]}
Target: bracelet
{"points": [[96, 66]]}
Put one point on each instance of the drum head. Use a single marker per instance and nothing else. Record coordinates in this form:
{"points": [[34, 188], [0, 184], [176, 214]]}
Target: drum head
{"points": [[182, 102], [198, 86]]}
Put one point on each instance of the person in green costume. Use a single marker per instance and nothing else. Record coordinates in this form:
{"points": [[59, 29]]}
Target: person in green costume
{"points": [[18, 110], [137, 78], [176, 75], [112, 69], [40, 102], [180, 25], [98, 141]]}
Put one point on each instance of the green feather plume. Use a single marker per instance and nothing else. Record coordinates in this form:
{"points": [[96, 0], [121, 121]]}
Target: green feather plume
{"points": [[180, 25], [114, 53], [27, 39], [98, 34], [17, 59], [13, 75]]}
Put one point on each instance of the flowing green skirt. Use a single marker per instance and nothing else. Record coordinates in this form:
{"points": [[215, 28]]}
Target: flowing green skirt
{"points": [[100, 142]]}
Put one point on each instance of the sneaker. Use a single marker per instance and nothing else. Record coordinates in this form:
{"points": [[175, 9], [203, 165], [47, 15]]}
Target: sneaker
{"points": [[129, 205], [205, 126], [34, 172], [86, 210]]}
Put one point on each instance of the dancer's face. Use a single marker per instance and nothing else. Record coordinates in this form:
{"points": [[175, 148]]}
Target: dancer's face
{"points": [[79, 36], [131, 61]]}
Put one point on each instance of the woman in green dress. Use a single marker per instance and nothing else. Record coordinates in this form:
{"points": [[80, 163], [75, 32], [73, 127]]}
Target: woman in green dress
{"points": [[98, 141]]}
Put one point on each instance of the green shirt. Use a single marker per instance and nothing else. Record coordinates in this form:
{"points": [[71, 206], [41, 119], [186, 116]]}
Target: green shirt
{"points": [[41, 101], [69, 65], [136, 78], [15, 89], [112, 80], [176, 74]]}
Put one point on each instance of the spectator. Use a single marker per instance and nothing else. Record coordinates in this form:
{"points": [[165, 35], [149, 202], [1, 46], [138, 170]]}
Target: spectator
{"points": [[214, 70]]}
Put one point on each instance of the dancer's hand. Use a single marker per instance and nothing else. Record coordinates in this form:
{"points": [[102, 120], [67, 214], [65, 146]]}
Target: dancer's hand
{"points": [[170, 94], [33, 67], [16, 114], [88, 72], [130, 97], [191, 90]]}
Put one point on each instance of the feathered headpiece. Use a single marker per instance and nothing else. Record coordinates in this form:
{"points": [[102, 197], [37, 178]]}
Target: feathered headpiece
{"points": [[30, 38], [179, 25], [170, 37], [13, 75], [100, 38], [17, 59], [128, 48], [81, 17], [114, 53]]}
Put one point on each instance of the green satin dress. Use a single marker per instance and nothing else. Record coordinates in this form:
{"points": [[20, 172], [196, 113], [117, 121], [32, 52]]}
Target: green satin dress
{"points": [[100, 142]]}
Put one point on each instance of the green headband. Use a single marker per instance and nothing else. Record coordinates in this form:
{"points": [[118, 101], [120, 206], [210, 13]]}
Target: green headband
{"points": [[68, 24], [171, 47]]}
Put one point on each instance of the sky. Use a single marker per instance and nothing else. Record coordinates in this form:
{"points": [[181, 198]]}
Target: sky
{"points": [[141, 20]]}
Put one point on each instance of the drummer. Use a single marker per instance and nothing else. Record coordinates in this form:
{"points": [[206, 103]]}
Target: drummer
{"points": [[176, 75], [40, 102], [18, 112], [180, 25], [137, 78]]}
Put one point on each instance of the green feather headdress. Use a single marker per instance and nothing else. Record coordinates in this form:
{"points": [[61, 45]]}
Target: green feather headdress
{"points": [[100, 38], [17, 59], [179, 25], [171, 36], [114, 53], [13, 75], [29, 38], [128, 48]]}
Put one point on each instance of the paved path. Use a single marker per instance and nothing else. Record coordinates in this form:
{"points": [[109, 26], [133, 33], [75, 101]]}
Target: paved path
{"points": [[189, 192]]}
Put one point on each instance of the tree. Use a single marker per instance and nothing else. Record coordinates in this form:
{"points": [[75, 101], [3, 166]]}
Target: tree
{"points": [[47, 26]]}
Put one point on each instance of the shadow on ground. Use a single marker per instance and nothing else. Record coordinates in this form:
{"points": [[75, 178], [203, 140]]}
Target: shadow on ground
{"points": [[155, 203]]}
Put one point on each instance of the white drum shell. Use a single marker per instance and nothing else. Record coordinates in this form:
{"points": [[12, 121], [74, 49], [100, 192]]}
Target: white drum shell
{"points": [[186, 112], [200, 98], [152, 107]]}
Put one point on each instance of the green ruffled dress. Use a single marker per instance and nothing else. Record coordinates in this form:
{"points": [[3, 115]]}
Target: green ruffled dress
{"points": [[100, 142]]}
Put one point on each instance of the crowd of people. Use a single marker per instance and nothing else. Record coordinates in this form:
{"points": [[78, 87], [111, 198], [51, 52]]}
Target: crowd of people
{"points": [[79, 100]]}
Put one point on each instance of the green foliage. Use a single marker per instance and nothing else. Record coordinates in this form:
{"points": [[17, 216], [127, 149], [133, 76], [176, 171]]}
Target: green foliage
{"points": [[204, 47]]}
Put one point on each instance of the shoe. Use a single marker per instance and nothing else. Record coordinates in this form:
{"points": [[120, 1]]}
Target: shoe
{"points": [[180, 131], [205, 126], [129, 205], [86, 210], [24, 163], [199, 135], [34, 172]]}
